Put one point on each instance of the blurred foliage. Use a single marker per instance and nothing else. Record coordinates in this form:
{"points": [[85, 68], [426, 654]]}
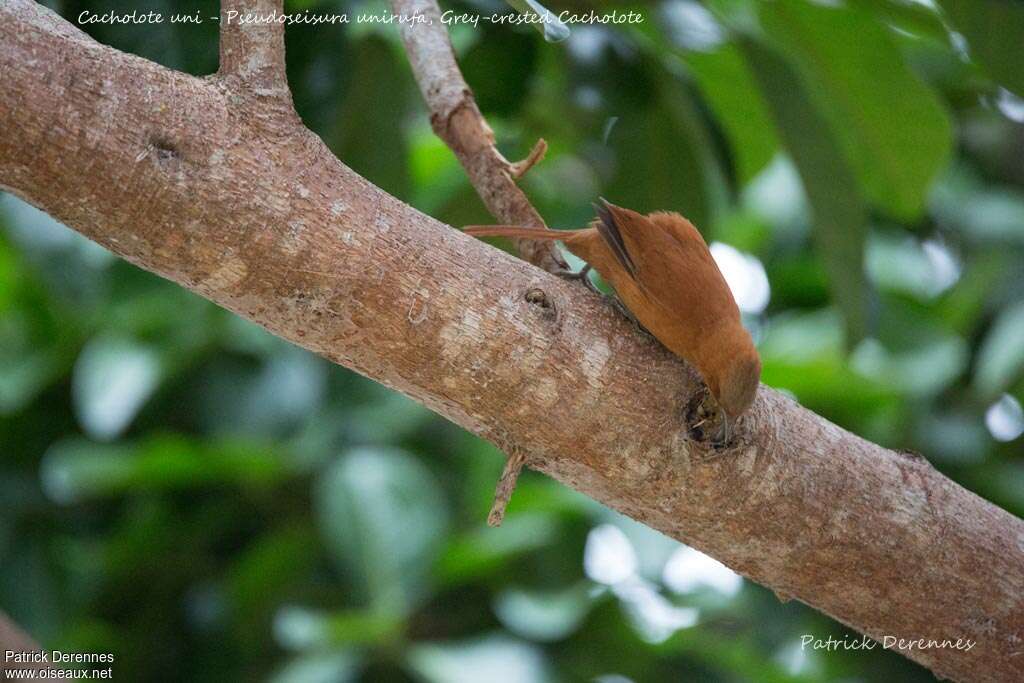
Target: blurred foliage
{"points": [[210, 503]]}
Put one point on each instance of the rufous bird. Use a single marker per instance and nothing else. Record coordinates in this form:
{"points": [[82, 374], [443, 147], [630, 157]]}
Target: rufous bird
{"points": [[662, 271]]}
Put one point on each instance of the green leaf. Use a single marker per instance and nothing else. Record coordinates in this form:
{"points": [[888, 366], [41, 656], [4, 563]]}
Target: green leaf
{"points": [[840, 216], [1001, 356], [994, 29], [74, 470], [981, 212], [113, 379], [891, 126], [28, 364], [383, 518], [729, 88], [493, 658], [907, 15], [298, 628], [803, 354], [921, 372], [543, 615], [902, 264], [269, 567]]}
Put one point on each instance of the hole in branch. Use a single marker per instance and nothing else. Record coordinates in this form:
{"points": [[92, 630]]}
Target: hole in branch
{"points": [[544, 305], [538, 297], [164, 150]]}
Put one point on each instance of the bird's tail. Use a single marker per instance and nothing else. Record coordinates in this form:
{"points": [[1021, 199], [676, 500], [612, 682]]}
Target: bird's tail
{"points": [[516, 231]]}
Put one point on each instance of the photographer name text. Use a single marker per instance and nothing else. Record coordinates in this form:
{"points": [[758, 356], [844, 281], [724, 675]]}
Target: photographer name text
{"points": [[887, 642]]}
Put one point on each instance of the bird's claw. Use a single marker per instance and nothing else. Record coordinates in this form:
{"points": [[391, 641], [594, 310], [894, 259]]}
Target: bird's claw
{"points": [[583, 275]]}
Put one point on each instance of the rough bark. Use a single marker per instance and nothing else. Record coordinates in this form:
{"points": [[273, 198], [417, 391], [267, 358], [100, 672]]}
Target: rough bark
{"points": [[214, 184]]}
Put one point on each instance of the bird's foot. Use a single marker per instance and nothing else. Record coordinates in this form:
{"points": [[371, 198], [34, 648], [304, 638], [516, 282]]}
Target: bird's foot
{"points": [[582, 275]]}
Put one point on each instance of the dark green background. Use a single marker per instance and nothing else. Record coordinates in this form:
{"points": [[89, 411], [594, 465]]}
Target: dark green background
{"points": [[210, 503]]}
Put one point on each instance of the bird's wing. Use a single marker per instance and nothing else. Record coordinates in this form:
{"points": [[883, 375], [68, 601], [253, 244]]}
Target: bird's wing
{"points": [[680, 273], [608, 228]]}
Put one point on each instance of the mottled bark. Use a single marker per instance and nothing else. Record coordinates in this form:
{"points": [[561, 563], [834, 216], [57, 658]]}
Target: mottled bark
{"points": [[214, 184]]}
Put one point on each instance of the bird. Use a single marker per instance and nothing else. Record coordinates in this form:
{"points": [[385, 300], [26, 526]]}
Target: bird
{"points": [[662, 271]]}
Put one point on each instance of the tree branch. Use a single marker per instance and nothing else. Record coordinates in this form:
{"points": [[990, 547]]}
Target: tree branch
{"points": [[184, 178], [13, 639], [457, 120], [252, 45]]}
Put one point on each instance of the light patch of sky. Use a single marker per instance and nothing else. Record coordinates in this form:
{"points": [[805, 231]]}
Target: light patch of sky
{"points": [[1011, 106], [691, 26], [587, 43], [745, 276], [688, 570]]}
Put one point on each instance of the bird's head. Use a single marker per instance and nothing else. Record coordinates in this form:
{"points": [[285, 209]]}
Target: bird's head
{"points": [[735, 380]]}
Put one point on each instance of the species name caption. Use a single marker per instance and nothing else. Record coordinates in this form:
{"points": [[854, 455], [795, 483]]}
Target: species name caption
{"points": [[448, 18]]}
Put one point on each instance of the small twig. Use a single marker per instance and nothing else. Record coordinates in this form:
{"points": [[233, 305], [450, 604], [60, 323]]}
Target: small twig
{"points": [[457, 120], [519, 168], [506, 485]]}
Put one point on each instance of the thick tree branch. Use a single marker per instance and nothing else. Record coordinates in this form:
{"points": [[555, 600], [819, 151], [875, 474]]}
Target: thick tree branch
{"points": [[185, 178], [457, 120]]}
